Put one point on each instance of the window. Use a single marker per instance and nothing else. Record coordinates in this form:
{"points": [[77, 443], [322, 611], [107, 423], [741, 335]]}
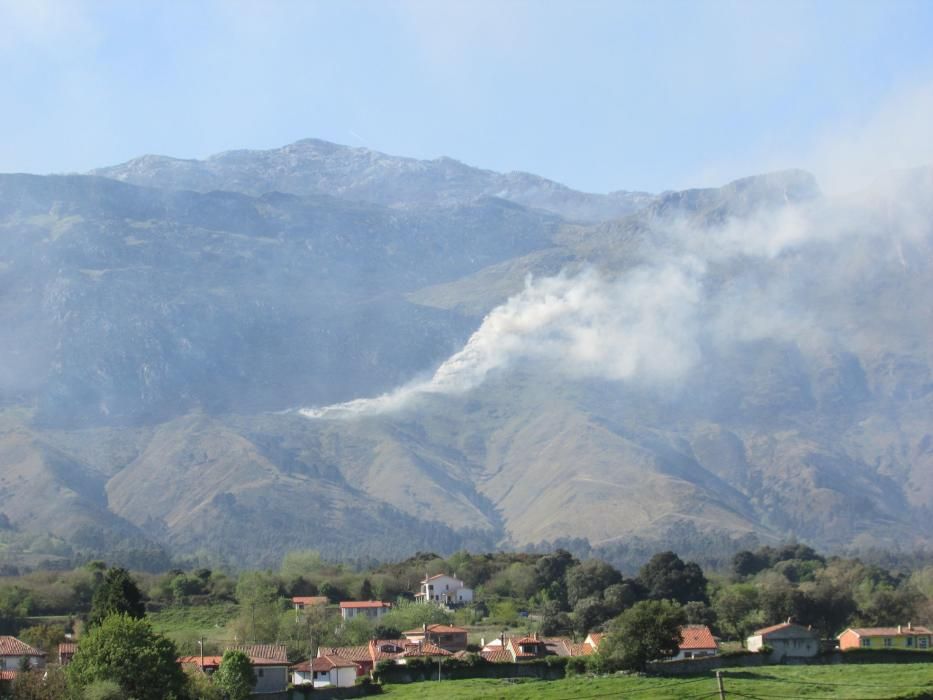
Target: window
{"points": [[259, 672], [910, 641], [888, 642], [865, 642], [923, 642]]}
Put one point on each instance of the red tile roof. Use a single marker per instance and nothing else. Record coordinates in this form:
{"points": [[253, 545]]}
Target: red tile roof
{"points": [[364, 604], [497, 656], [310, 600], [67, 649], [325, 663], [889, 631], [209, 661], [425, 649], [697, 637], [7, 675], [11, 646], [263, 654], [356, 654]]}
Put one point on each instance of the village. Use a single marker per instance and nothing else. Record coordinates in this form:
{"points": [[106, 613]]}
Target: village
{"points": [[439, 651]]}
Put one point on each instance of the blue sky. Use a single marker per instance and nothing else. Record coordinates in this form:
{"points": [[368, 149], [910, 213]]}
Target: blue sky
{"points": [[599, 95]]}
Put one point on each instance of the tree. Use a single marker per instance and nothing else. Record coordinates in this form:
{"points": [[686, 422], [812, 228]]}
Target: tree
{"points": [[549, 575], [666, 576], [590, 579], [124, 650], [44, 636], [235, 676], [588, 613], [366, 590], [648, 630], [116, 593], [41, 684]]}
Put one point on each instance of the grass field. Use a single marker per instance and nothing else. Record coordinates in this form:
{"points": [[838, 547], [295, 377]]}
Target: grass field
{"points": [[849, 681], [186, 624]]}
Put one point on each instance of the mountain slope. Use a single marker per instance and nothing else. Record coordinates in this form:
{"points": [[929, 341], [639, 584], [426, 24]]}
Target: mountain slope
{"points": [[746, 361]]}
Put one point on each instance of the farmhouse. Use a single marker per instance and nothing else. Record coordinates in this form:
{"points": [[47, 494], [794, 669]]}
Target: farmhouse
{"points": [[900, 637], [787, 640]]}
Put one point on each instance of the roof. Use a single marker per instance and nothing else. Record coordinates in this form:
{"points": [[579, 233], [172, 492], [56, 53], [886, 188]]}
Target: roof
{"points": [[357, 654], [196, 661], [263, 654], [7, 675], [67, 648], [11, 646], [697, 637], [425, 649], [436, 576], [436, 629], [595, 637], [888, 631], [324, 663], [364, 604], [783, 626], [310, 600], [497, 656]]}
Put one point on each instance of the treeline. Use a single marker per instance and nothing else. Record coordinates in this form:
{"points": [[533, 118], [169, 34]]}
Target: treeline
{"points": [[555, 594]]}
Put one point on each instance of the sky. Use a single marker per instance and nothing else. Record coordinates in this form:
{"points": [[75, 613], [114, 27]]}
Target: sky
{"points": [[601, 96]]}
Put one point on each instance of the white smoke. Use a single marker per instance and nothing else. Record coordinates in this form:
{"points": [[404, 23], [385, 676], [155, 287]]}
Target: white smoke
{"points": [[641, 324]]}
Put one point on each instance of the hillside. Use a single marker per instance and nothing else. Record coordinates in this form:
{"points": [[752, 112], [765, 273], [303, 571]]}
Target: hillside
{"points": [[750, 361]]}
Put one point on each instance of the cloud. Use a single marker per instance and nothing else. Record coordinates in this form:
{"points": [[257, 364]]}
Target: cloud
{"points": [[46, 24]]}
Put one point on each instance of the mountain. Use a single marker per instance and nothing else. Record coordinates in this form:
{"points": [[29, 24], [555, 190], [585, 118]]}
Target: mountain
{"points": [[360, 174], [724, 365]]}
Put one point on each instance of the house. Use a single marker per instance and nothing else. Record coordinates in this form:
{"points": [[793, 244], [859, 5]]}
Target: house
{"points": [[371, 609], [302, 602], [444, 590], [365, 657], [328, 671], [787, 640], [592, 641], [207, 664], [447, 637], [900, 637], [13, 651], [696, 641], [66, 652], [510, 650], [270, 663]]}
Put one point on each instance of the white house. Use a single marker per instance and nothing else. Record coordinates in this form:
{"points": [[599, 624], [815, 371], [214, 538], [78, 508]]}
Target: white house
{"points": [[444, 590], [13, 651], [372, 609], [786, 640], [696, 641], [327, 671]]}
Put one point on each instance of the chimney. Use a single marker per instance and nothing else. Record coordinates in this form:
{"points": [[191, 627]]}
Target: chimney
{"points": [[424, 627], [899, 630], [909, 626], [790, 620]]}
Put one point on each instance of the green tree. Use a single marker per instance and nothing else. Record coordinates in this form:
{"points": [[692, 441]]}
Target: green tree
{"points": [[590, 579], [735, 608], [366, 590], [125, 651], [42, 684], [666, 576], [588, 614], [235, 676], [116, 593], [648, 630]]}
